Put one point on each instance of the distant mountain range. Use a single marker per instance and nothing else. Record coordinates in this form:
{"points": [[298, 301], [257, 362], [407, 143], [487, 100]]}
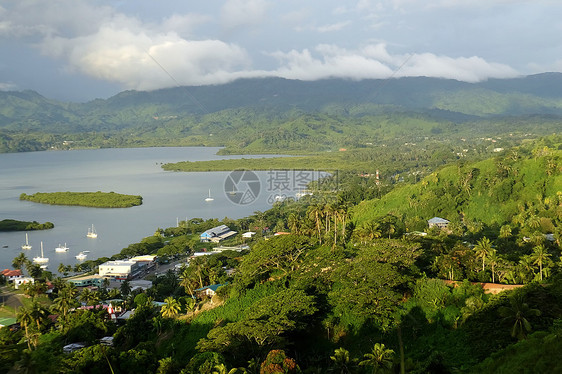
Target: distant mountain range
{"points": [[535, 94], [272, 114]]}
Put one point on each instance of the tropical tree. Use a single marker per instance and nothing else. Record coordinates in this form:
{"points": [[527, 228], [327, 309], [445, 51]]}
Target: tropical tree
{"points": [[540, 257], [493, 260], [89, 297], [505, 231], [314, 213], [125, 288], [25, 318], [293, 221], [482, 249], [517, 313], [369, 231], [39, 314], [20, 261], [171, 309], [66, 299], [380, 358], [188, 281], [341, 361]]}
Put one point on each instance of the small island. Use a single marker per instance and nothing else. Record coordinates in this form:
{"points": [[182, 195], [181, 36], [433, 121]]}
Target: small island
{"points": [[87, 199], [14, 225]]}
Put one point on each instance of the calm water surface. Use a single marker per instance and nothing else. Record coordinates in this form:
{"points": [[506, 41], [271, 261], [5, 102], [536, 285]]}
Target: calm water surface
{"points": [[167, 196]]}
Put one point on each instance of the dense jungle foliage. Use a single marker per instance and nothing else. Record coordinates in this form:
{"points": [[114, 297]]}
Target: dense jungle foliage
{"points": [[15, 225], [358, 284], [89, 199]]}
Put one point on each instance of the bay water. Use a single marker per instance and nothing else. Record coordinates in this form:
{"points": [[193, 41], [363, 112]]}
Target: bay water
{"points": [[167, 198]]}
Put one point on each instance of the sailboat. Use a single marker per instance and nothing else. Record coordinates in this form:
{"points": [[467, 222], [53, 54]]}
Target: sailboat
{"points": [[61, 248], [209, 198], [42, 259], [26, 245], [92, 232]]}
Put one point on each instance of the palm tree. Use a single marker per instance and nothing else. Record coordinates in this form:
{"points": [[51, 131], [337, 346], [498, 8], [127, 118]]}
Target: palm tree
{"points": [[534, 222], [187, 281], [518, 312], [380, 358], [62, 269], [341, 360], [39, 314], [540, 257], [369, 230], [65, 300], [294, 223], [20, 261], [171, 309], [482, 248], [505, 231], [222, 369], [25, 318], [493, 260], [125, 288], [314, 212]]}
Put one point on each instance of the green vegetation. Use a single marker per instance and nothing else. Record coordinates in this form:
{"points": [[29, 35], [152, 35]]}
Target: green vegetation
{"points": [[519, 183], [288, 117], [14, 225], [360, 283], [88, 199]]}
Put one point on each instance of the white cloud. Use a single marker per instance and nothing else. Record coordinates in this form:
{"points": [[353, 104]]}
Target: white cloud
{"points": [[374, 62], [5, 86], [143, 61], [238, 13], [183, 24], [471, 69], [333, 27]]}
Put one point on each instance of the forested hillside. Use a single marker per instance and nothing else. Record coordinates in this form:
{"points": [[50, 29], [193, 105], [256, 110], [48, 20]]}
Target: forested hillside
{"points": [[508, 188], [268, 115]]}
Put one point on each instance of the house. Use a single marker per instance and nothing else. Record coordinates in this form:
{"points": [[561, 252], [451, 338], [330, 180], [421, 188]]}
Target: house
{"points": [[119, 269], [140, 284], [23, 280], [441, 223], [217, 234], [207, 291], [12, 275], [86, 280], [248, 234]]}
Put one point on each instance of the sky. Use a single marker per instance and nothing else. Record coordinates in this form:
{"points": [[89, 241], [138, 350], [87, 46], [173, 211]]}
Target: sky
{"points": [[75, 50]]}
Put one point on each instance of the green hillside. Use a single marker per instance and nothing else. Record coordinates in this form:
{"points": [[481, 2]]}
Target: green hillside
{"points": [[269, 115], [518, 182]]}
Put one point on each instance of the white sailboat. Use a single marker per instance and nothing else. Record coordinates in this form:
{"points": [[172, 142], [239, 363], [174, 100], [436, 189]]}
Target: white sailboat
{"points": [[81, 256], [92, 232], [209, 198], [26, 245], [42, 259], [61, 248]]}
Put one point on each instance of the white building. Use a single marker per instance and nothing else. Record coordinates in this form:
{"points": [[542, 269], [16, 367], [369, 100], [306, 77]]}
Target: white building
{"points": [[118, 269]]}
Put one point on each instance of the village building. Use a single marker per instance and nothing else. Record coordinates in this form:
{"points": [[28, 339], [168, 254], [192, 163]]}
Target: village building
{"points": [[217, 234], [12, 275], [95, 281], [207, 291], [438, 222], [18, 282], [119, 269]]}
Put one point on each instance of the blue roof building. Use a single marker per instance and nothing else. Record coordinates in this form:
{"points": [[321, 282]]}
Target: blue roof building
{"points": [[216, 234]]}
